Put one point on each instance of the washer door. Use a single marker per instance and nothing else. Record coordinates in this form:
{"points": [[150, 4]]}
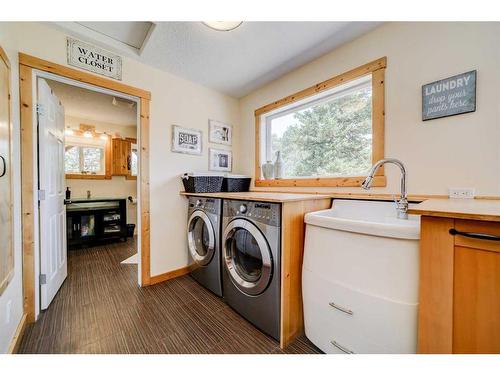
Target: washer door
{"points": [[201, 238], [247, 257]]}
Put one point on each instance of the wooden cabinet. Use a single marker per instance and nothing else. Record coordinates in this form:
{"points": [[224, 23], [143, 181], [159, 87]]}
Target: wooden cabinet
{"points": [[459, 286], [121, 157], [122, 154]]}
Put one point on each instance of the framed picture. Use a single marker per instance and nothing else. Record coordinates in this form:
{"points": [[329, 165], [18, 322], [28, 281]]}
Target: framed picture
{"points": [[220, 160], [220, 133], [186, 141]]}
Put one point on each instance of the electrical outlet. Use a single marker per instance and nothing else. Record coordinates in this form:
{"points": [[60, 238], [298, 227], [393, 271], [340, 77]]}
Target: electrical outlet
{"points": [[462, 193]]}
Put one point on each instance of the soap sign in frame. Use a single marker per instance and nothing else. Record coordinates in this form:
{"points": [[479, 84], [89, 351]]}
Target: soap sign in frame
{"points": [[186, 141], [450, 96]]}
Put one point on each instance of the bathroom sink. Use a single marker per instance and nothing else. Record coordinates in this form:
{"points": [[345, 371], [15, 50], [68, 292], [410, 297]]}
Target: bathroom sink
{"points": [[366, 217]]}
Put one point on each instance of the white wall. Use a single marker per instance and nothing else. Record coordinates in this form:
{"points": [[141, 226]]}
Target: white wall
{"points": [[459, 151], [174, 101]]}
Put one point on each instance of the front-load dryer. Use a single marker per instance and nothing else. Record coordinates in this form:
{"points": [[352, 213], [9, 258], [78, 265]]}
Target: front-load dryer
{"points": [[203, 232], [251, 262]]}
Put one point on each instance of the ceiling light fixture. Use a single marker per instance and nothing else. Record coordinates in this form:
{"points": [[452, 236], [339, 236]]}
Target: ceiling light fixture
{"points": [[222, 25]]}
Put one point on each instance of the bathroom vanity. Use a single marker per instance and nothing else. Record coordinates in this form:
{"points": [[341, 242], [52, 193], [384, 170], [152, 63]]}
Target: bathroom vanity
{"points": [[90, 221]]}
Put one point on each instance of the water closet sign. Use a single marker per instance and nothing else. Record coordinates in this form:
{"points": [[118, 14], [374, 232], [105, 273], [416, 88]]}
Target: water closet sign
{"points": [[94, 59], [451, 96]]}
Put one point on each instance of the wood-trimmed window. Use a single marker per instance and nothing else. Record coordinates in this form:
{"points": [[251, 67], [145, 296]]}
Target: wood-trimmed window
{"points": [[347, 111], [88, 158]]}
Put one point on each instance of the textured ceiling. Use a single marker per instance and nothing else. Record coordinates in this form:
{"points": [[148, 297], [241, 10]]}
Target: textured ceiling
{"points": [[235, 62], [92, 105]]}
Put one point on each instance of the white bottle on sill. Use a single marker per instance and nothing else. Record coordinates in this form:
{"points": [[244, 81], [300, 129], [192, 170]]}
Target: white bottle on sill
{"points": [[278, 166]]}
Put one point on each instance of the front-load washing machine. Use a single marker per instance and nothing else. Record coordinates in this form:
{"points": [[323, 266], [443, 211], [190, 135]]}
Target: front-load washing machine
{"points": [[204, 220], [251, 262]]}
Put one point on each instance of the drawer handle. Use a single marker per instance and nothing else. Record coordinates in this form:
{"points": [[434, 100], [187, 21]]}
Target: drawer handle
{"points": [[340, 347], [340, 308], [478, 236]]}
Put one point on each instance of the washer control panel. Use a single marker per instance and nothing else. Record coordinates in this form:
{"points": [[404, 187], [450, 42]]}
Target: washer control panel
{"points": [[264, 212], [211, 205]]}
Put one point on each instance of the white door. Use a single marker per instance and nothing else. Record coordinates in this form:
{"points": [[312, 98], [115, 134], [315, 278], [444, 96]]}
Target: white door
{"points": [[53, 257]]}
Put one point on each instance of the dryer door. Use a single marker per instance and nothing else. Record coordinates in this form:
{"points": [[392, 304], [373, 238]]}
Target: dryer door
{"points": [[201, 238], [247, 257]]}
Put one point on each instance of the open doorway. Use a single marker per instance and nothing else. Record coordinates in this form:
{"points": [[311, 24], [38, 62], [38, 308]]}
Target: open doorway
{"points": [[30, 69], [88, 163]]}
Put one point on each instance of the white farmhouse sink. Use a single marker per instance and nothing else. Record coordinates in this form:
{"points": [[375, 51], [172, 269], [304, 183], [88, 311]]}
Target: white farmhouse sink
{"points": [[360, 278], [367, 217]]}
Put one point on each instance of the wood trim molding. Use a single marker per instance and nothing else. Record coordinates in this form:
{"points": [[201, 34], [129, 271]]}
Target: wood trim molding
{"points": [[378, 118], [169, 275], [78, 75], [4, 57], [18, 335], [325, 85], [377, 69], [26, 66], [27, 183], [144, 186], [74, 176], [378, 181]]}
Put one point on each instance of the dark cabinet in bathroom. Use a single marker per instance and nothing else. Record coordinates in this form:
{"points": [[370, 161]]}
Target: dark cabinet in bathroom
{"points": [[91, 221]]}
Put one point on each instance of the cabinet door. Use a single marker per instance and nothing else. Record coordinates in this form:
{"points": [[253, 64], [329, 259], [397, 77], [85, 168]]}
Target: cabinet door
{"points": [[121, 157], [476, 305]]}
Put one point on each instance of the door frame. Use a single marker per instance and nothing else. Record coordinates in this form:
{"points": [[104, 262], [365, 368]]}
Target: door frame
{"points": [[30, 68]]}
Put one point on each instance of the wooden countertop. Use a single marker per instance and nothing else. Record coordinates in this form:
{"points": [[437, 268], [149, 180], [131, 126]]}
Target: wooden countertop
{"points": [[262, 196], [473, 209]]}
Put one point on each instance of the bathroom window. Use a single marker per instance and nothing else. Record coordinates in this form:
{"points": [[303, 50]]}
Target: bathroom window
{"points": [[327, 135], [85, 158]]}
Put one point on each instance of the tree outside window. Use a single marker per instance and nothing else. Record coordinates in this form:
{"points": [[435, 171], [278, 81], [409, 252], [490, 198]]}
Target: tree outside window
{"points": [[84, 159]]}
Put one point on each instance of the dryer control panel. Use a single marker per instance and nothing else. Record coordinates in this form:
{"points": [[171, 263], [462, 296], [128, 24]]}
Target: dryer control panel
{"points": [[263, 212], [211, 205]]}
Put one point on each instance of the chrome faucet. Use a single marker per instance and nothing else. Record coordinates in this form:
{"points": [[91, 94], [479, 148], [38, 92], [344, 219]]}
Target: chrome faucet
{"points": [[402, 202]]}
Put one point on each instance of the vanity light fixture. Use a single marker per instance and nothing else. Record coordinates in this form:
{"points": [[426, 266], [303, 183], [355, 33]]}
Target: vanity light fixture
{"points": [[69, 131], [222, 25], [88, 134], [104, 137]]}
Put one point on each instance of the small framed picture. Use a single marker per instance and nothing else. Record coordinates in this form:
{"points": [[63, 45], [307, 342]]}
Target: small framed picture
{"points": [[220, 160], [186, 141], [220, 133]]}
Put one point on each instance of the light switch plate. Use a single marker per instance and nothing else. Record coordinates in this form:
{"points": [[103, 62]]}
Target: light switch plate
{"points": [[462, 193]]}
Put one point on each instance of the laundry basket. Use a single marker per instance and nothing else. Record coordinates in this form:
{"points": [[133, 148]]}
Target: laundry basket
{"points": [[202, 183], [236, 183]]}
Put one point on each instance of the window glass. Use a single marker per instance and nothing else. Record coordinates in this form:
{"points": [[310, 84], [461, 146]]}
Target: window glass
{"points": [[84, 159], [92, 160], [327, 136], [72, 159]]}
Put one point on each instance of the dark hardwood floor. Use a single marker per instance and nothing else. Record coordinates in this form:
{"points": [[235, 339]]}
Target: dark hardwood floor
{"points": [[100, 309]]}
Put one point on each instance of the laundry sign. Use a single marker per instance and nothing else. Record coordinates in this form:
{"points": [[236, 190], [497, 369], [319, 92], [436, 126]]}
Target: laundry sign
{"points": [[94, 59], [451, 96]]}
